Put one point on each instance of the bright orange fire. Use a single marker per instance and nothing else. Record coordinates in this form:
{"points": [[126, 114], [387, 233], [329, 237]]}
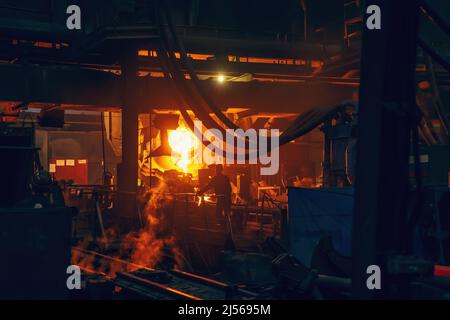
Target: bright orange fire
{"points": [[183, 142], [149, 247]]}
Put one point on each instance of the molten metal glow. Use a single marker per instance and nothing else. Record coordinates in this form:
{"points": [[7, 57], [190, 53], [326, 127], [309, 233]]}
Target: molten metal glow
{"points": [[182, 141]]}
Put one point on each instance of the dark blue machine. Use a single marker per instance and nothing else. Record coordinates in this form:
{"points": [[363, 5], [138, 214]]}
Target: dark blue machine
{"points": [[317, 213]]}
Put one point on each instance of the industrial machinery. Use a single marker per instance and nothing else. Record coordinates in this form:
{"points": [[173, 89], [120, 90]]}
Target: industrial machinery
{"points": [[132, 101], [35, 224]]}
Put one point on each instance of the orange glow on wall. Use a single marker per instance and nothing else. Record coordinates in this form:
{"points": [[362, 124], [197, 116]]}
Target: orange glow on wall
{"points": [[298, 62], [70, 169], [316, 63], [193, 56], [198, 56], [147, 53], [47, 45]]}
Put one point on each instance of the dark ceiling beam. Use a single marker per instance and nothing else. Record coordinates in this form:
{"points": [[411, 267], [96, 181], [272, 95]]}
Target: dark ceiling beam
{"points": [[261, 96], [260, 48], [267, 71], [237, 68], [58, 85], [89, 89], [221, 46], [107, 42], [19, 29], [65, 56], [34, 30], [103, 40]]}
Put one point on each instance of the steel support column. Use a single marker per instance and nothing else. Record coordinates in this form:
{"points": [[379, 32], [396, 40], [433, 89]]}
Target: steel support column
{"points": [[127, 171], [387, 105], [326, 164]]}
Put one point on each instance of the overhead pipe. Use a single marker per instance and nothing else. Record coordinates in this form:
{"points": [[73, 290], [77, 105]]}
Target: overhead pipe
{"points": [[434, 16], [433, 54], [209, 103], [304, 123], [179, 79]]}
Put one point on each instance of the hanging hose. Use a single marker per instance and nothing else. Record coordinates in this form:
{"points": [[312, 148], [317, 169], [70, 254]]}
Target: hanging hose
{"points": [[209, 103], [102, 122], [179, 79], [168, 59], [434, 54], [440, 112], [200, 103], [435, 17]]}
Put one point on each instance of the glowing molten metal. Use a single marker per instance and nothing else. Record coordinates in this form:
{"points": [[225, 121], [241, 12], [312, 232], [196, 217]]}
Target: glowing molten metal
{"points": [[183, 142]]}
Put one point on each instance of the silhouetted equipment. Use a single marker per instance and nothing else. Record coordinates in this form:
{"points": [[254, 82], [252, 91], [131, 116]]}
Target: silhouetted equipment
{"points": [[17, 152], [293, 277], [164, 122], [243, 185], [326, 260], [164, 149], [53, 118], [37, 243], [35, 226], [204, 176], [338, 137], [435, 165], [297, 280]]}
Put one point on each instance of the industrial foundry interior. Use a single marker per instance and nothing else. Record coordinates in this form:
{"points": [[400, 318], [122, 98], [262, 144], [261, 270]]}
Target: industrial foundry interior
{"points": [[246, 150]]}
